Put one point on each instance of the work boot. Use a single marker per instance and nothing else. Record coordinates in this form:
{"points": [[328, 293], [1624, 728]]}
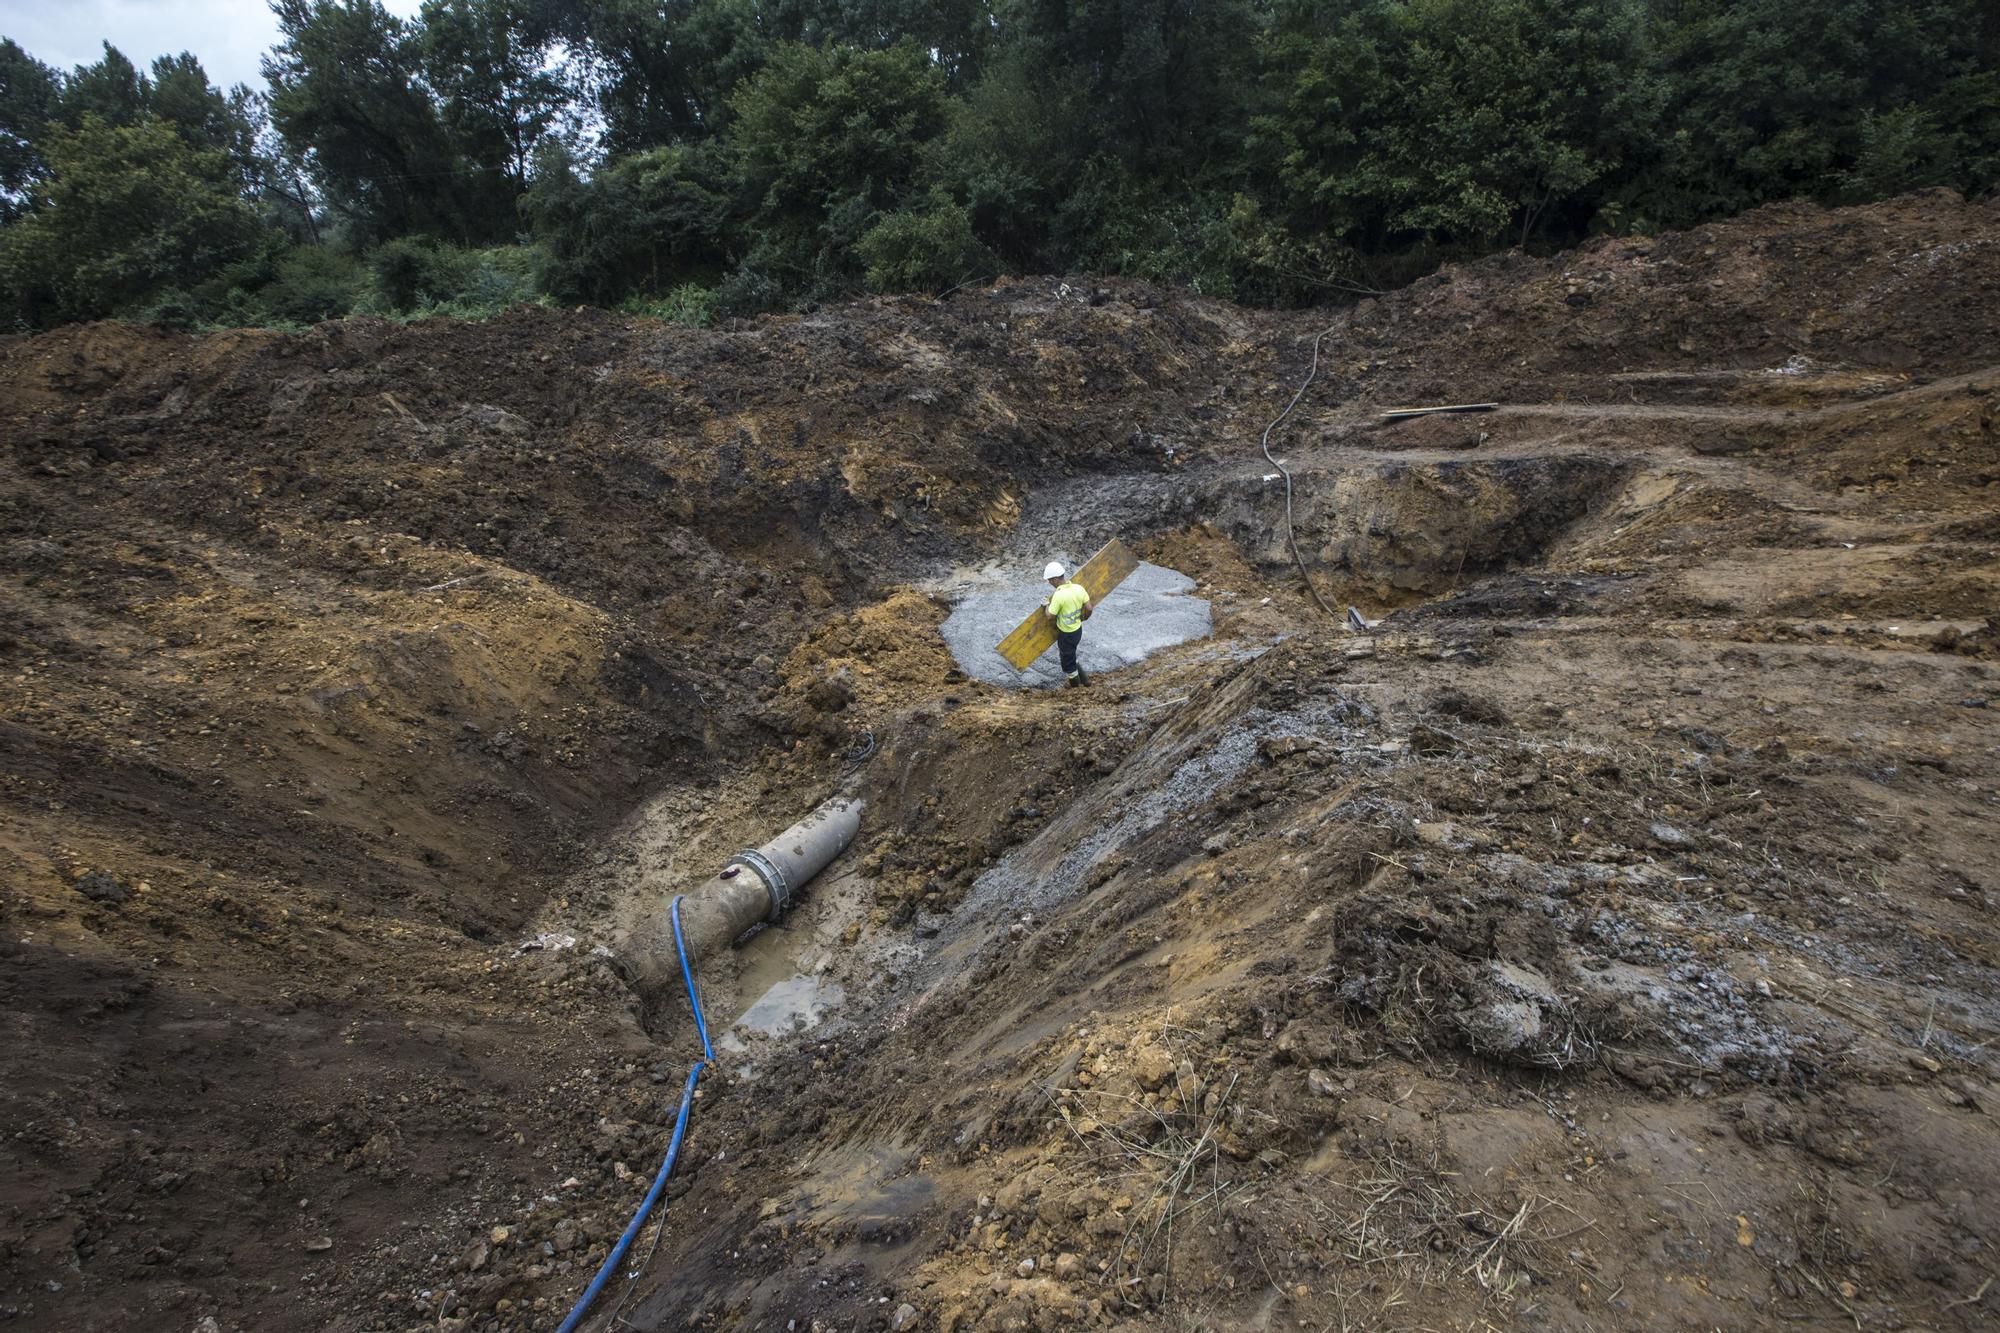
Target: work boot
{"points": [[1077, 678]]}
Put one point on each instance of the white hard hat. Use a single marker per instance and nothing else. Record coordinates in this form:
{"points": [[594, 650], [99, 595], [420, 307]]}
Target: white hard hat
{"points": [[1054, 570]]}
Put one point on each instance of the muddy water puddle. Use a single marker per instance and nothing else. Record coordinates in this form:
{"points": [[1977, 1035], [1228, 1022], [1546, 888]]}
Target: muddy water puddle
{"points": [[792, 1005], [781, 989]]}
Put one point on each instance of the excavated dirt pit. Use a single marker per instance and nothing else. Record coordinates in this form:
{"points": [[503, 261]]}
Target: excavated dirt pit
{"points": [[1401, 530], [1604, 941]]}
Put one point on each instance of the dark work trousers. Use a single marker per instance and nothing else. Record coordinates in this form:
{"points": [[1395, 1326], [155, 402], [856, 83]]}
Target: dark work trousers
{"points": [[1066, 649]]}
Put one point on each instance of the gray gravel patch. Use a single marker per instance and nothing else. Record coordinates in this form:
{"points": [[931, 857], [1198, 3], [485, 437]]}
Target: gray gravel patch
{"points": [[1149, 611]]}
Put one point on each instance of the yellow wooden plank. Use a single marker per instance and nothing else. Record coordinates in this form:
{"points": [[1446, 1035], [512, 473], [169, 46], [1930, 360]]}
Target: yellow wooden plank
{"points": [[1101, 573]]}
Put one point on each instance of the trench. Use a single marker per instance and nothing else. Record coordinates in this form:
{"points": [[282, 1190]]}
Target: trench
{"points": [[1389, 529], [1393, 532], [1397, 531]]}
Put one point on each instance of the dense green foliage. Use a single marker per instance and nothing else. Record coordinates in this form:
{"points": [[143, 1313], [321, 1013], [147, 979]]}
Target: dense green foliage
{"points": [[28, 94], [826, 143], [1454, 121], [124, 213], [696, 158]]}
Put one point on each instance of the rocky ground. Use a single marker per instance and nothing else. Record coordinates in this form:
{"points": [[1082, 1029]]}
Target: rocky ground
{"points": [[1606, 941]]}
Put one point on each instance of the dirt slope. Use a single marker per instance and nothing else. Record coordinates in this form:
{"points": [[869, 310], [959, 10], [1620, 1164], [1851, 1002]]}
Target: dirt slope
{"points": [[1607, 941]]}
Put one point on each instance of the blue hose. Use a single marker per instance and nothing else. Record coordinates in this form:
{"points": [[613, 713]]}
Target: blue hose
{"points": [[632, 1228], [694, 997]]}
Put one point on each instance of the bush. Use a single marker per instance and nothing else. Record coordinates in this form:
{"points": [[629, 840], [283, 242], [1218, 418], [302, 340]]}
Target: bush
{"points": [[645, 224], [28, 299], [749, 291], [425, 278], [1900, 149], [1116, 222], [927, 249], [126, 213], [690, 304], [494, 279], [173, 310], [312, 283], [402, 269]]}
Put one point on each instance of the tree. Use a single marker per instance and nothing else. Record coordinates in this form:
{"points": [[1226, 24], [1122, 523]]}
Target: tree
{"points": [[112, 90], [488, 62], [33, 96], [1773, 100], [1100, 129], [1013, 151], [29, 91], [1165, 80], [180, 94], [827, 141], [1265, 149], [125, 213], [647, 223], [345, 97], [280, 179], [663, 70], [956, 33], [1452, 122]]}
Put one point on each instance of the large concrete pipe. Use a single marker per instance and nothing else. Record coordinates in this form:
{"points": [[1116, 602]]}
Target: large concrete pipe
{"points": [[755, 886]]}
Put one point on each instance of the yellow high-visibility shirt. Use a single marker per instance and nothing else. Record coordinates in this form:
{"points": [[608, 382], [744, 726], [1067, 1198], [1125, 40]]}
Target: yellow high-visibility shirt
{"points": [[1066, 605]]}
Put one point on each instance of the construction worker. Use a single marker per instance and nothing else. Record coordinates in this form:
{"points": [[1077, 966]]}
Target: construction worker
{"points": [[1069, 606]]}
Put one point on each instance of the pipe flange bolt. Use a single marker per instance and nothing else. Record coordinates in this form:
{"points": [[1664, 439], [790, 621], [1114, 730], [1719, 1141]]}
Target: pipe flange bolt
{"points": [[774, 879]]}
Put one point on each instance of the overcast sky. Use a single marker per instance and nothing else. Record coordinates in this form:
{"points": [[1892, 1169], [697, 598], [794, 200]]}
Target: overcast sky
{"points": [[229, 36]]}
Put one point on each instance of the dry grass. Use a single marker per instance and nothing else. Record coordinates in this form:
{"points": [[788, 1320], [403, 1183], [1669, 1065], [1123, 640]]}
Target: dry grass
{"points": [[1379, 1233], [1166, 1156]]}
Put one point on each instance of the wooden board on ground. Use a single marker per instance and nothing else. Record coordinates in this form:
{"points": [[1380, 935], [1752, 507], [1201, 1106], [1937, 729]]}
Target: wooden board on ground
{"points": [[1101, 573], [1404, 413]]}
